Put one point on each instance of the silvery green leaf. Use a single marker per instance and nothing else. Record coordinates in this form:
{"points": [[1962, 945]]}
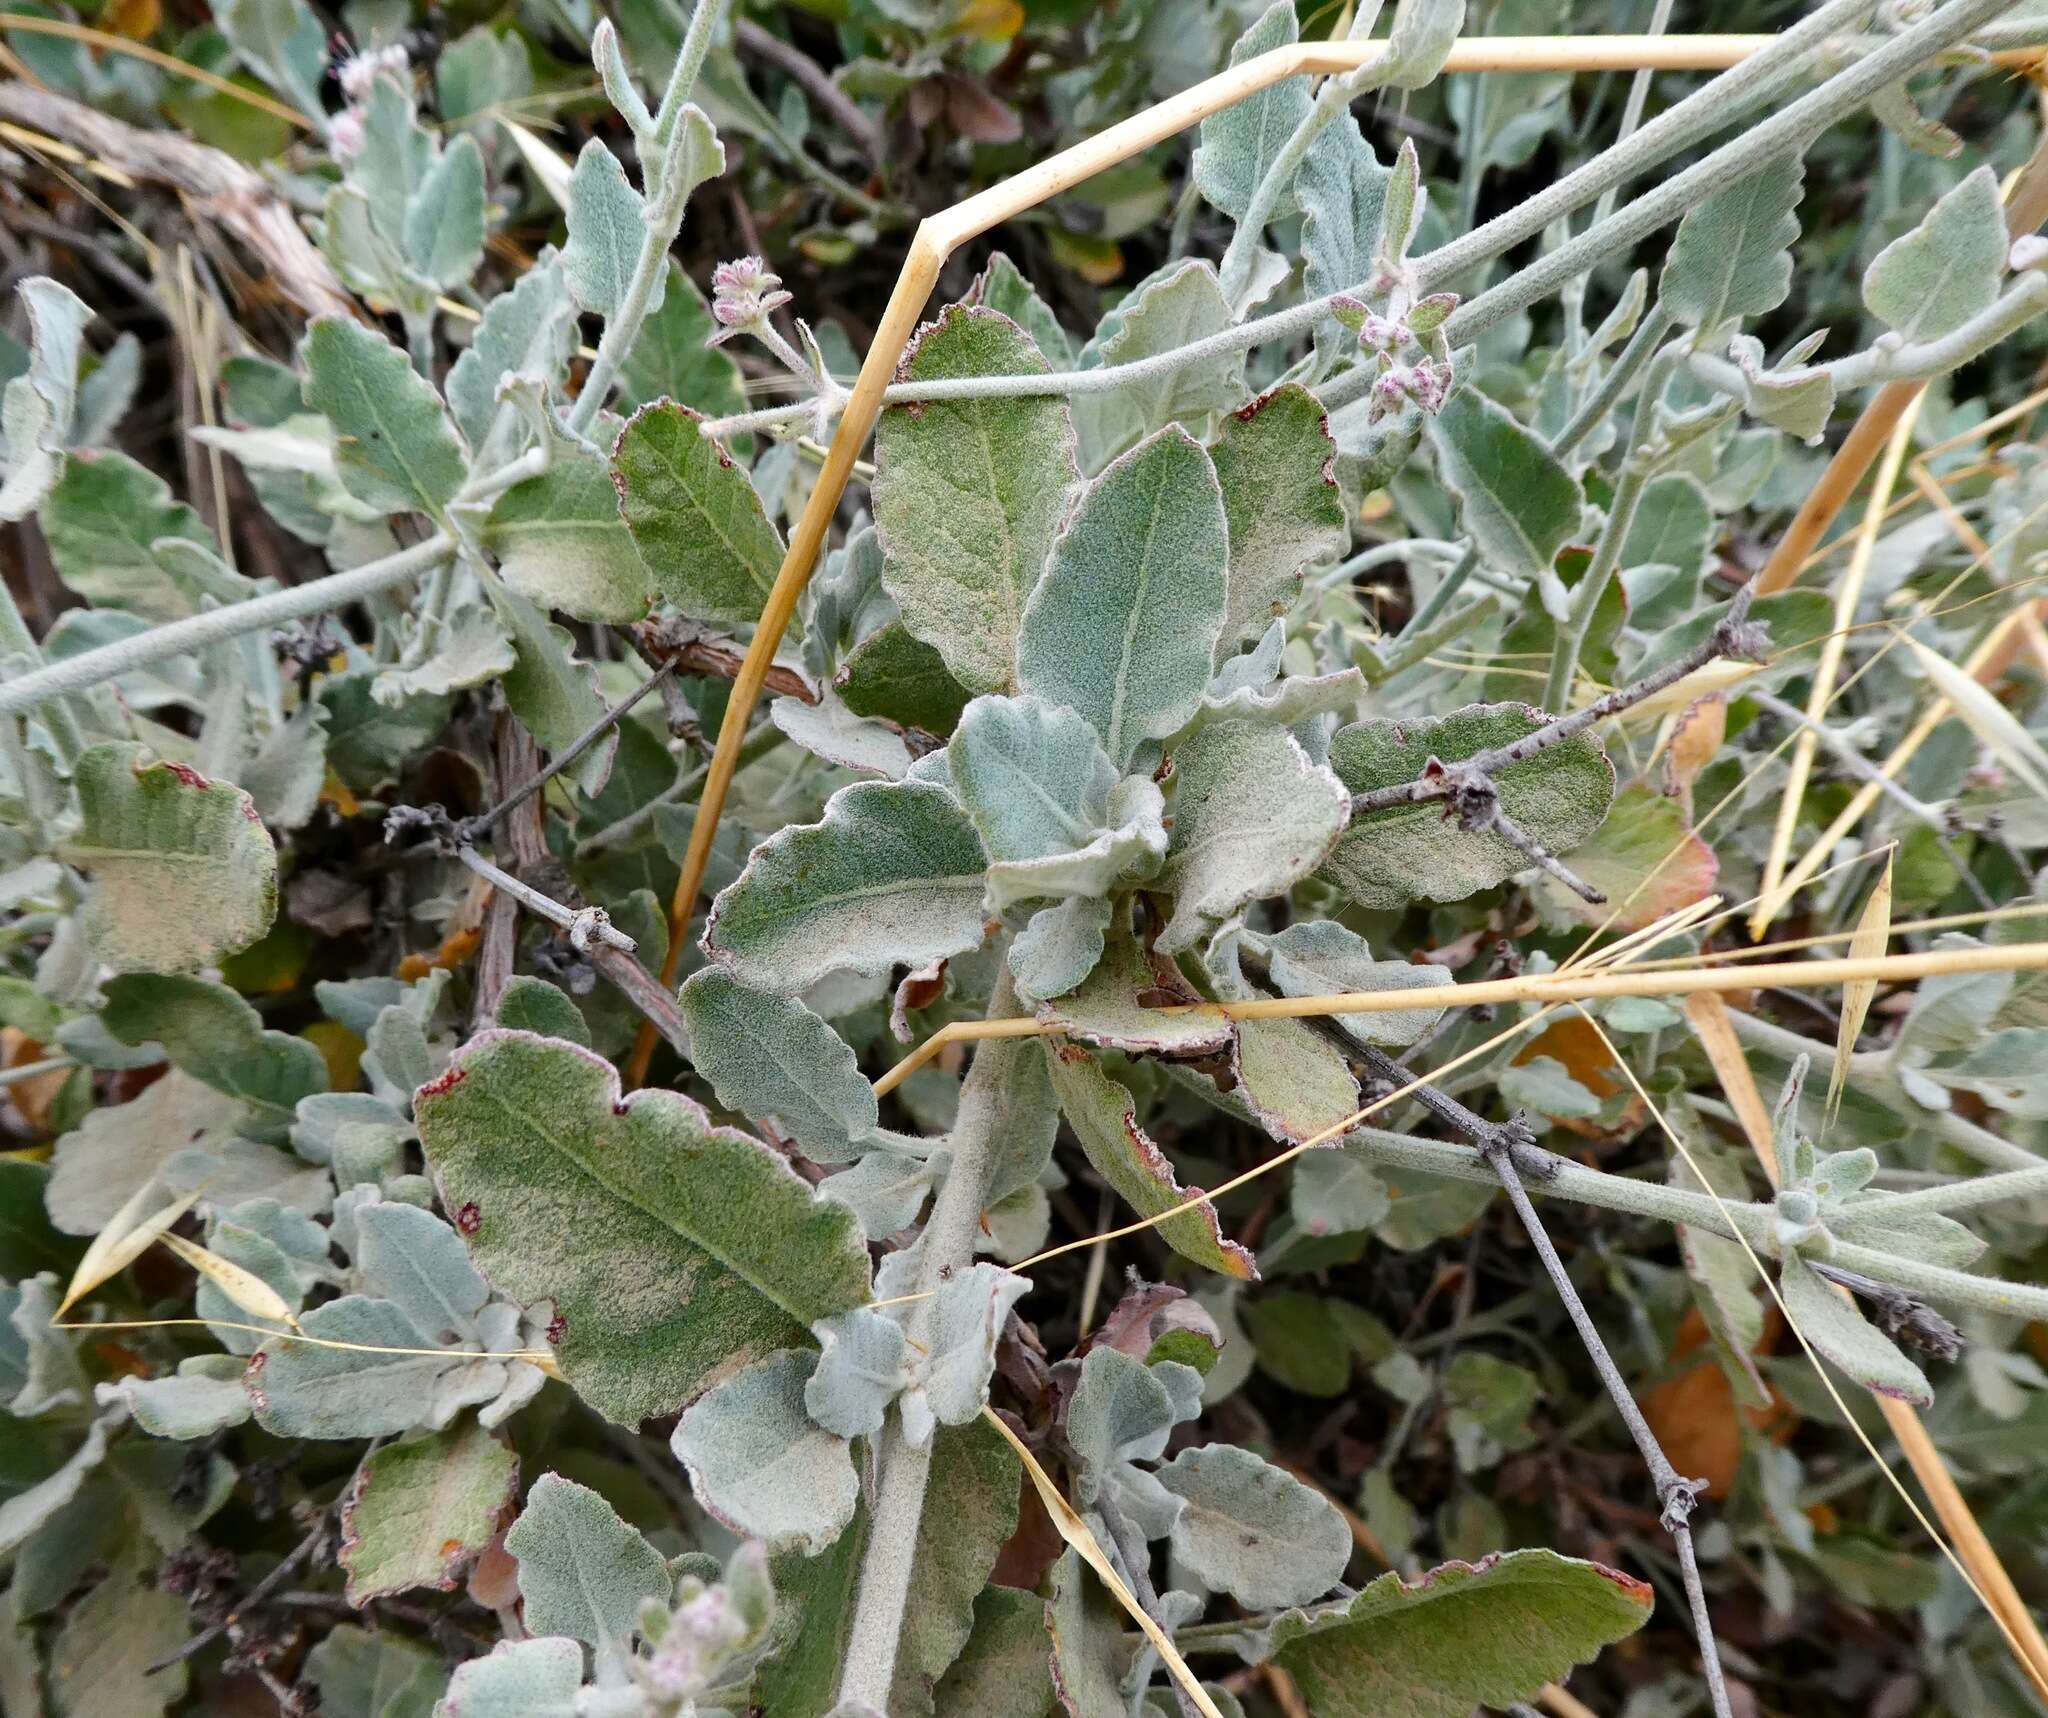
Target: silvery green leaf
{"points": [[1239, 143], [480, 72], [1421, 39], [511, 1132], [1295, 1083], [37, 407], [214, 1035], [1927, 1235], [281, 40], [1732, 256], [469, 651], [1319, 957], [358, 1387], [1343, 189], [1032, 778], [29, 1508], [561, 544], [964, 1325], [1673, 525], [102, 522], [828, 729], [1059, 946], [893, 875], [1128, 850], [39, 1368], [1545, 1085], [968, 495], [1515, 496], [119, 1149], [101, 1659], [551, 690], [696, 517], [1252, 1530], [394, 446], [1112, 1008], [1005, 1664], [105, 395], [1836, 1327], [520, 1679], [1104, 1118], [1179, 304], [417, 1514], [760, 1464], [203, 1397], [1090, 1654], [1335, 1193], [1252, 817], [368, 261], [417, 1262], [861, 1368], [607, 226], [1123, 627], [582, 1571], [1002, 288], [773, 1060], [1276, 464], [885, 1190], [1935, 278], [1388, 858], [1121, 1411], [699, 157], [444, 221], [357, 1674], [530, 326], [1790, 397], [184, 873]]}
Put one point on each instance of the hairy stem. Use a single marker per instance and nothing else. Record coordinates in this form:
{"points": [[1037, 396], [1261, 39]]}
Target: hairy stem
{"points": [[195, 632], [622, 327], [946, 1245]]}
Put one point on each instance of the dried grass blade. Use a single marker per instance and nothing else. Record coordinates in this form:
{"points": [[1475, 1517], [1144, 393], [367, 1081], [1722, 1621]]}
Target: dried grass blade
{"points": [[1995, 726], [1074, 1530], [125, 1238], [1873, 931], [246, 1289]]}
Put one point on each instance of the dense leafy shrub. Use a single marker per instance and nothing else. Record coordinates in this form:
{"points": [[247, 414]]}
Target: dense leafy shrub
{"points": [[1332, 560]]}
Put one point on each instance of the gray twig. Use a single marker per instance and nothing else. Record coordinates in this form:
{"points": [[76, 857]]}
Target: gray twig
{"points": [[1510, 1148], [584, 924]]}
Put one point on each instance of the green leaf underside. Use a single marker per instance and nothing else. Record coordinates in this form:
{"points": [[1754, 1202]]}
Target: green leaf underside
{"points": [[1388, 858], [674, 1252], [1465, 1634], [1104, 1119]]}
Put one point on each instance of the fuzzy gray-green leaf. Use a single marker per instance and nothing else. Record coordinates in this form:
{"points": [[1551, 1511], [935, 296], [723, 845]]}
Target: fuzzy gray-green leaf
{"points": [[1942, 273], [675, 1252], [893, 874], [968, 495], [394, 446], [1732, 257], [695, 515], [184, 873], [1515, 496], [1277, 466], [1123, 627], [582, 1571], [760, 1464], [1252, 1530]]}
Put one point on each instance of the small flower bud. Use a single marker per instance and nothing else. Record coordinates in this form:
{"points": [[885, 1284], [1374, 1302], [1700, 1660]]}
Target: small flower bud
{"points": [[2029, 250], [745, 292]]}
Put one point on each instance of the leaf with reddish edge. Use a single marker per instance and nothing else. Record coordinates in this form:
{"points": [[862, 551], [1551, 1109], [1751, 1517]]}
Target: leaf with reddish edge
{"points": [[1104, 1118], [418, 1514], [675, 1252], [1646, 859], [1487, 1633]]}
